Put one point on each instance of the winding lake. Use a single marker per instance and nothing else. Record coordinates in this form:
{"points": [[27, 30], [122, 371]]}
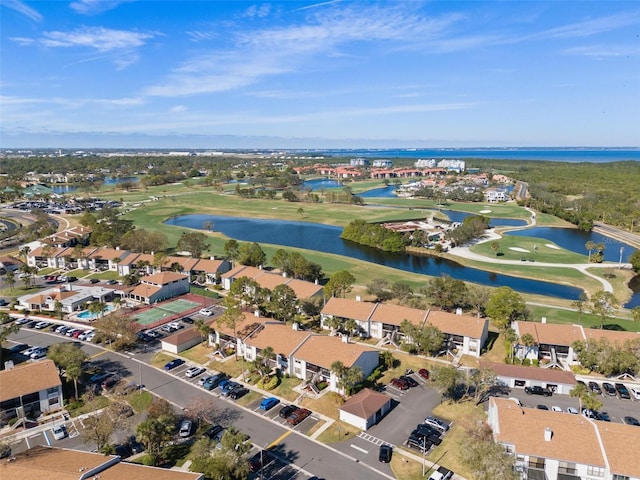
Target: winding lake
{"points": [[326, 238]]}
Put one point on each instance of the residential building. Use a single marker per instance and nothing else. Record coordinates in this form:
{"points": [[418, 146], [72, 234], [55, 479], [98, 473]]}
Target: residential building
{"points": [[160, 286], [29, 390], [494, 195], [61, 464], [382, 163], [365, 408], [270, 280], [71, 297], [383, 321], [560, 446]]}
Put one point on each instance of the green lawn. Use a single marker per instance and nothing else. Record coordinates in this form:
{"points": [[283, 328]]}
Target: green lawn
{"points": [[538, 249], [555, 315]]}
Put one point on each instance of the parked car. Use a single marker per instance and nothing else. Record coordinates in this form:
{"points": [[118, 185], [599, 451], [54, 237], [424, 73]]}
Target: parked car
{"points": [[260, 460], [385, 453], [542, 407], [436, 422], [185, 428], [30, 350], [42, 325], [110, 382], [410, 381], [176, 362], [194, 372], [537, 390], [213, 381], [424, 373], [441, 474], [205, 312], [269, 403], [214, 433], [123, 451], [555, 408], [594, 387], [572, 410], [94, 280], [22, 321], [631, 421], [59, 432], [188, 320], [111, 282], [41, 353], [298, 416], [84, 335], [425, 429], [20, 347], [635, 391], [609, 389], [419, 443], [134, 445], [238, 392], [228, 388], [431, 438], [622, 390], [399, 384], [287, 410], [32, 323]]}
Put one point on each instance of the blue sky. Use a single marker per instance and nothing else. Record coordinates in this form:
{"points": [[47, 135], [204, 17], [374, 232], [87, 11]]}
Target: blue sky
{"points": [[226, 74]]}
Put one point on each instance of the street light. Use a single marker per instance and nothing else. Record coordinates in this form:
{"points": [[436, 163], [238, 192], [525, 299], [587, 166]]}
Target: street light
{"points": [[424, 448]]}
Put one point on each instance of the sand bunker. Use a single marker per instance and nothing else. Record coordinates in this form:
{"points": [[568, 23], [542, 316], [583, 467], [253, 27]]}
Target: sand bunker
{"points": [[484, 211], [518, 249], [551, 245]]}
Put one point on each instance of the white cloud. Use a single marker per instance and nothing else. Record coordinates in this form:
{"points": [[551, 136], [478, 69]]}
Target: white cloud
{"points": [[22, 41], [198, 36], [260, 11], [592, 26], [98, 38], [178, 109], [23, 9], [601, 51], [93, 7]]}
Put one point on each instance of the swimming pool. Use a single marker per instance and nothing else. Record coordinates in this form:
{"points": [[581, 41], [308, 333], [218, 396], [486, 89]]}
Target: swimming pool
{"points": [[87, 315]]}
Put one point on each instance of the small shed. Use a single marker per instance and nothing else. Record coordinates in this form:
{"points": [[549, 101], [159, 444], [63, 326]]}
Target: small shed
{"points": [[365, 408], [181, 341]]}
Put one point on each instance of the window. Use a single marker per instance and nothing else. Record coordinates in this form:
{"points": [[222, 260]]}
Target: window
{"points": [[535, 462], [620, 477], [595, 471], [567, 467]]}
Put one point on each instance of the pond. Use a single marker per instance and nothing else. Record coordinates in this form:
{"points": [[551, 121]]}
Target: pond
{"points": [[62, 189], [326, 238], [574, 239]]}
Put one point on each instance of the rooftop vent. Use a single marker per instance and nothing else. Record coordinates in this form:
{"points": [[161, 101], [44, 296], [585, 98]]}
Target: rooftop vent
{"points": [[548, 434]]}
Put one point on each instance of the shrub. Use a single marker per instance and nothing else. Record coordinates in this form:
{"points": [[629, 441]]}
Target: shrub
{"points": [[322, 385], [270, 384], [526, 362], [535, 362], [507, 360]]}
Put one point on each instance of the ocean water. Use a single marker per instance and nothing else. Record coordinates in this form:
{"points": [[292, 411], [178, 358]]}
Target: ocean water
{"points": [[597, 155]]}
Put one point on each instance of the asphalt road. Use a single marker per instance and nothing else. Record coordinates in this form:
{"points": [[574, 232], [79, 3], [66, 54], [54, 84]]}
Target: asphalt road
{"points": [[302, 457]]}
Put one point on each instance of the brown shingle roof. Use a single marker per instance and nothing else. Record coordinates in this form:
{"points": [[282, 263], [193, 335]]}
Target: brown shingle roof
{"points": [[621, 444], [186, 335], [249, 319], [242, 271], [453, 324], [304, 289], [282, 338], [145, 291], [365, 403], [28, 378], [532, 373], [131, 471], [396, 314], [163, 278], [524, 428], [322, 350], [550, 333], [208, 265], [347, 308], [108, 253], [613, 336]]}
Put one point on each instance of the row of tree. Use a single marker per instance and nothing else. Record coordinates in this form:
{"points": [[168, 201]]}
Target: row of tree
{"points": [[374, 235]]}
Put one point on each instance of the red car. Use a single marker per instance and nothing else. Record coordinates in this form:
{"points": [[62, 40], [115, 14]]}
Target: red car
{"points": [[399, 384], [424, 373], [298, 416]]}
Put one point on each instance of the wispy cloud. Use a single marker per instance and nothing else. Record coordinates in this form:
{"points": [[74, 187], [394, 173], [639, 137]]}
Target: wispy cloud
{"points": [[259, 11], [199, 36], [602, 51], [98, 38], [316, 5], [74, 102], [23, 9], [94, 7], [589, 27]]}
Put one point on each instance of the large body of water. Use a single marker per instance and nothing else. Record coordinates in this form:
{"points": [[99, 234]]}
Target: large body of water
{"points": [[326, 238], [62, 189], [598, 155]]}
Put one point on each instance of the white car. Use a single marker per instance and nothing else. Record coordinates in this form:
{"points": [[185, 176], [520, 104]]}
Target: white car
{"points": [[30, 350], [556, 409], [194, 372], [572, 410], [59, 432], [38, 354], [84, 335], [206, 312], [635, 391]]}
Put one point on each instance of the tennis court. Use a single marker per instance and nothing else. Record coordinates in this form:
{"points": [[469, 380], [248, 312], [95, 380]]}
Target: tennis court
{"points": [[157, 313]]}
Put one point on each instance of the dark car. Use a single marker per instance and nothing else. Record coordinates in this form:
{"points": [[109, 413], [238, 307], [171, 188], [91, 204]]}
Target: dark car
{"points": [[259, 460], [228, 388], [536, 390], [213, 381], [631, 421], [399, 384], [100, 377], [134, 445], [215, 432], [94, 280], [123, 451], [188, 320], [542, 407], [33, 323], [419, 443], [410, 381], [431, 438], [176, 362], [298, 416], [238, 392], [425, 429], [287, 410], [72, 279], [594, 387], [18, 348], [424, 373], [609, 389], [110, 383], [386, 451], [623, 392]]}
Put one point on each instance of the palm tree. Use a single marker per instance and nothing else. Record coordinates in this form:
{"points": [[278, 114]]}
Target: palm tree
{"points": [[580, 391], [267, 355], [354, 376], [10, 278], [351, 326], [202, 328], [495, 246], [528, 341], [510, 337], [340, 372], [589, 246]]}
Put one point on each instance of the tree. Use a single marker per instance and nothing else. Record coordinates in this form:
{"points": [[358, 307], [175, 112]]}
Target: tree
{"points": [[350, 326], [635, 313], [69, 358], [484, 458], [340, 371], [401, 290], [263, 362], [202, 410], [117, 329], [425, 338], [527, 340], [6, 330], [195, 243], [251, 254], [505, 306], [478, 296], [204, 329], [483, 380], [339, 284], [97, 308], [579, 304], [10, 279], [231, 250], [603, 304], [235, 443], [353, 377], [216, 463], [231, 317], [155, 433], [495, 246], [98, 429], [447, 293], [634, 259], [283, 303], [380, 288], [446, 380], [510, 337], [590, 246], [579, 391]]}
